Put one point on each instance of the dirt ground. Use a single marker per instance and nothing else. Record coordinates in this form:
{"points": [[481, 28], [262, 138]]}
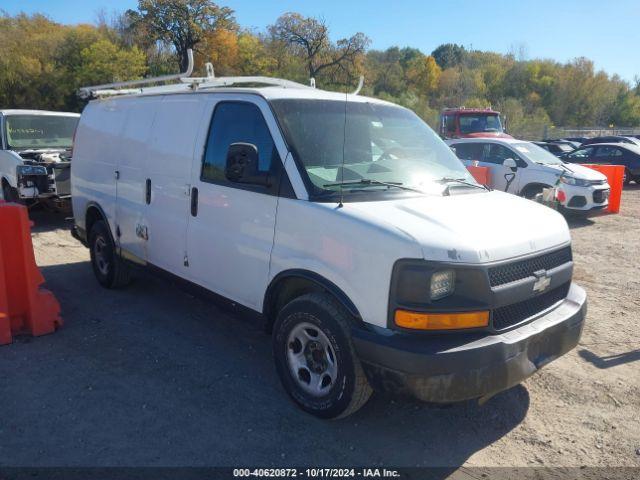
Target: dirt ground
{"points": [[151, 376]]}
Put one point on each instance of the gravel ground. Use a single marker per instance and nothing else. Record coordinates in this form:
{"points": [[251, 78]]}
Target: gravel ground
{"points": [[151, 376]]}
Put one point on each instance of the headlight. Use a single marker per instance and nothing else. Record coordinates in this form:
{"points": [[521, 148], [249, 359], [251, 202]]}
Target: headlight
{"points": [[30, 170], [576, 182], [442, 284]]}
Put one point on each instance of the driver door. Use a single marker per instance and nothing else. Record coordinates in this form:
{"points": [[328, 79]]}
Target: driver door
{"points": [[493, 156], [231, 225]]}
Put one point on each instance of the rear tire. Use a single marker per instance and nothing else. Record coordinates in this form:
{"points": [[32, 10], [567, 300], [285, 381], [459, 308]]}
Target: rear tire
{"points": [[315, 358], [108, 267]]}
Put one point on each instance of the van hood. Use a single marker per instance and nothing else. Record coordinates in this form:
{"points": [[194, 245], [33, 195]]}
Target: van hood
{"points": [[470, 228]]}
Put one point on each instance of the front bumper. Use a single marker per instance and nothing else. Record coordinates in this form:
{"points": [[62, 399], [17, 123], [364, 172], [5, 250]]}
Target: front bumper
{"points": [[585, 199], [455, 367]]}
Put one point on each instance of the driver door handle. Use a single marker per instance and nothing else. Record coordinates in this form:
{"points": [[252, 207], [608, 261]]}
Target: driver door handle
{"points": [[194, 202]]}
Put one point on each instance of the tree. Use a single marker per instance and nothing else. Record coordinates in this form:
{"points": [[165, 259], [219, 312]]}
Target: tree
{"points": [[104, 62], [449, 55], [182, 23], [423, 73], [309, 38]]}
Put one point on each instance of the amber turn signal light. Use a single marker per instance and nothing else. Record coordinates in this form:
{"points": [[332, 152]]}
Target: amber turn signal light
{"points": [[441, 321]]}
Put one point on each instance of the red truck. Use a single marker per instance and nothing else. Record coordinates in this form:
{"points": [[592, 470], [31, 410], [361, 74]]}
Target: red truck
{"points": [[471, 122]]}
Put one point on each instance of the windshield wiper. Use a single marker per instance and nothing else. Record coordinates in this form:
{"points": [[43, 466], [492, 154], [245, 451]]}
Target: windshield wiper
{"points": [[370, 181], [463, 182]]}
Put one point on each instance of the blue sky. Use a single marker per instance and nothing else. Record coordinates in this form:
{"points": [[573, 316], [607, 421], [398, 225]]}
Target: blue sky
{"points": [[606, 32]]}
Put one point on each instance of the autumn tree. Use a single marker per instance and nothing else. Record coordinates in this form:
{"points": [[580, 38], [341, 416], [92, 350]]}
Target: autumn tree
{"points": [[182, 23], [308, 38], [423, 73]]}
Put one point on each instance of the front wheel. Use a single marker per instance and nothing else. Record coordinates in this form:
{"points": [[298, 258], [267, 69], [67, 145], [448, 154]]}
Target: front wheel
{"points": [[315, 358], [9, 194]]}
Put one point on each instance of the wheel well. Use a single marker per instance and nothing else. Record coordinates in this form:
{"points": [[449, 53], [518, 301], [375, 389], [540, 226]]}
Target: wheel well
{"points": [[93, 215], [288, 286], [532, 186]]}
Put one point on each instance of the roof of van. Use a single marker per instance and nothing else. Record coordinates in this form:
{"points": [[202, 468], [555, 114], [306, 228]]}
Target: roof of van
{"points": [[267, 92], [37, 112]]}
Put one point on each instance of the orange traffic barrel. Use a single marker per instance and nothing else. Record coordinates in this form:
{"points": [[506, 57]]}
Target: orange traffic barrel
{"points": [[615, 179], [481, 174]]}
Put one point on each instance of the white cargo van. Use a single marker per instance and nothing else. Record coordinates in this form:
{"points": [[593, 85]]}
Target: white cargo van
{"points": [[343, 221]]}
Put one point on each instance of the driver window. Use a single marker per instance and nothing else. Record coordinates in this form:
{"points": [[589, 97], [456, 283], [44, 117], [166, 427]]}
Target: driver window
{"points": [[496, 153], [581, 154], [237, 122]]}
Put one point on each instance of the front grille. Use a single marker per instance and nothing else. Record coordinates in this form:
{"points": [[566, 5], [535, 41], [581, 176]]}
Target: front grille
{"points": [[515, 313], [600, 196], [512, 272]]}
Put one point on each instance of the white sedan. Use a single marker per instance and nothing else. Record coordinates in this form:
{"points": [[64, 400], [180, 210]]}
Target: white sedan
{"points": [[525, 169]]}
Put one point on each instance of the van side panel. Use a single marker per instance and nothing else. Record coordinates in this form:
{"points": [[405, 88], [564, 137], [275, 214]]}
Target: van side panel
{"points": [[169, 161], [132, 156], [94, 165]]}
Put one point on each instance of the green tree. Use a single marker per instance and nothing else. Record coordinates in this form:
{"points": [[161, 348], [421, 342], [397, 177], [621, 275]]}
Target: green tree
{"points": [[104, 62], [449, 55]]}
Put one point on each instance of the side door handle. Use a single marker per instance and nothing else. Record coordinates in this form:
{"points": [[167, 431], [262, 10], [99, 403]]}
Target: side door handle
{"points": [[147, 192], [194, 202]]}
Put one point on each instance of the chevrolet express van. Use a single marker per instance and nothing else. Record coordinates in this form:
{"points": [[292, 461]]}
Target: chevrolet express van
{"points": [[345, 222]]}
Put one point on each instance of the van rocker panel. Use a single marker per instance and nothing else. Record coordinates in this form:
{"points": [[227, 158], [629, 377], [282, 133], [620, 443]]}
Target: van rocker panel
{"points": [[450, 368]]}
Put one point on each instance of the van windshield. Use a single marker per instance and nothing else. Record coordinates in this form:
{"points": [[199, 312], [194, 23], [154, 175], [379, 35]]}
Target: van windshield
{"points": [[40, 131], [359, 146]]}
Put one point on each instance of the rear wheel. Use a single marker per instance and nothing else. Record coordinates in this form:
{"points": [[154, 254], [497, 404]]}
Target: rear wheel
{"points": [[108, 267], [315, 358]]}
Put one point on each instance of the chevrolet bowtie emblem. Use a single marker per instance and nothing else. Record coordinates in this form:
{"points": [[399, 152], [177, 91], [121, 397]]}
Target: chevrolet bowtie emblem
{"points": [[543, 280]]}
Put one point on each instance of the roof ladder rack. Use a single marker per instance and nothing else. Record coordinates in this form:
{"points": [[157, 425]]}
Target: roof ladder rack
{"points": [[186, 82], [111, 88]]}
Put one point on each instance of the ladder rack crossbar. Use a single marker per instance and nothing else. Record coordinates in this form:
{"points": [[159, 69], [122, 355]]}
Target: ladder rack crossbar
{"points": [[186, 82]]}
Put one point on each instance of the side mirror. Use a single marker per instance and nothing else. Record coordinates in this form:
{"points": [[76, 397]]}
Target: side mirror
{"points": [[510, 163], [242, 165]]}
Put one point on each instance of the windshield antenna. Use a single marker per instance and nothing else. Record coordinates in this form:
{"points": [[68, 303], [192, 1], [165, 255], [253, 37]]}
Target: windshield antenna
{"points": [[344, 142]]}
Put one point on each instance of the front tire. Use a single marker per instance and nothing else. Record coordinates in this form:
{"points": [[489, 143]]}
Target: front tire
{"points": [[9, 194], [315, 358], [108, 267], [530, 192]]}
